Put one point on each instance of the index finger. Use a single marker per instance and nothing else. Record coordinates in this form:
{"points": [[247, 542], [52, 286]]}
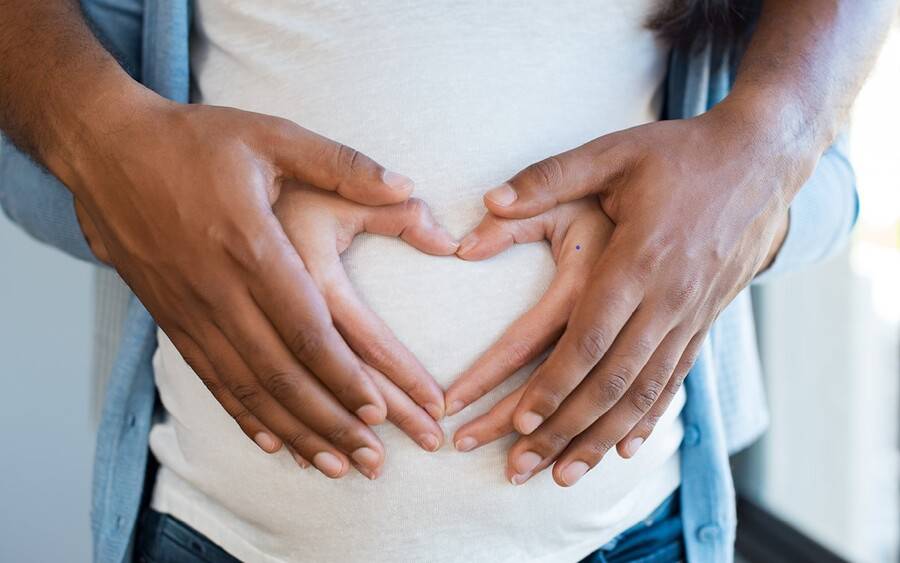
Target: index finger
{"points": [[285, 293], [540, 327], [604, 307], [529, 336]]}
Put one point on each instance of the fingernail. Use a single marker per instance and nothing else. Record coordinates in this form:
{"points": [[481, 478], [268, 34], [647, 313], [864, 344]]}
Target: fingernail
{"points": [[435, 410], [502, 195], [467, 244], [396, 181], [328, 464], [300, 461], [519, 478], [366, 472], [574, 472], [370, 414], [526, 462], [529, 421], [430, 442], [264, 441], [455, 407], [366, 456], [466, 444], [633, 446]]}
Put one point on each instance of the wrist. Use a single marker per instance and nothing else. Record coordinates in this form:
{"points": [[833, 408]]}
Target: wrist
{"points": [[89, 130], [775, 133]]}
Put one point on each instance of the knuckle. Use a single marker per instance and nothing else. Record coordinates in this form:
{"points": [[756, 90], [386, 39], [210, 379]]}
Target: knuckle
{"points": [[245, 242], [298, 439], [545, 399], [416, 210], [308, 345], [401, 418], [645, 396], [647, 261], [282, 384], [377, 354], [593, 343], [346, 158], [244, 419], [548, 172], [554, 441], [249, 395], [338, 433], [610, 387], [519, 353], [349, 163]]}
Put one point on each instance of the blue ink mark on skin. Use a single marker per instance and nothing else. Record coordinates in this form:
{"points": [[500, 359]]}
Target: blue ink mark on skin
{"points": [[577, 247]]}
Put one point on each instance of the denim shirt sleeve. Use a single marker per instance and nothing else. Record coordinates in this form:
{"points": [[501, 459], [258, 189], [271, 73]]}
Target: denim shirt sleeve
{"points": [[36, 201]]}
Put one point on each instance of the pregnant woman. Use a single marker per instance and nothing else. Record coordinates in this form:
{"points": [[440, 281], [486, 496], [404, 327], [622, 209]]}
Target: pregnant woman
{"points": [[288, 290], [458, 99]]}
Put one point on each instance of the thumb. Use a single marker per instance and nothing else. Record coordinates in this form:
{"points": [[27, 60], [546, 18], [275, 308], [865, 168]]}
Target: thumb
{"points": [[495, 234], [565, 177], [312, 159]]}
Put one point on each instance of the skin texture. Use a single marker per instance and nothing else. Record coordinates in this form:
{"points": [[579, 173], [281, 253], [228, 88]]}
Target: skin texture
{"points": [[230, 290], [238, 301], [322, 226], [578, 233], [700, 206]]}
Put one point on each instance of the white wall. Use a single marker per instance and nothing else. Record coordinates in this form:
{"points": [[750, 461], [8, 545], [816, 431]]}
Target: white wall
{"points": [[828, 464], [46, 431]]}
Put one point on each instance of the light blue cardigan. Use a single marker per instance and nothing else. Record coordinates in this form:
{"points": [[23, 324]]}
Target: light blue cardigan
{"points": [[724, 411]]}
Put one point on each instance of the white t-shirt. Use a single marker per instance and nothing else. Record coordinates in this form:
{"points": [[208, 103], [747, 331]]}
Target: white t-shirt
{"points": [[458, 96]]}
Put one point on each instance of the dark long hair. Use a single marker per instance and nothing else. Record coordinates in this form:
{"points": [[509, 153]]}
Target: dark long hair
{"points": [[692, 23]]}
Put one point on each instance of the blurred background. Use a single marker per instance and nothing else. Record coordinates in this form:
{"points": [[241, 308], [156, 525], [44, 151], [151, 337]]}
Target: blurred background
{"points": [[822, 485]]}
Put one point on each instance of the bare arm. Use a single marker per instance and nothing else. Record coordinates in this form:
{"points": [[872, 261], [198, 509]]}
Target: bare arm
{"points": [[805, 66], [700, 207], [54, 78], [180, 197]]}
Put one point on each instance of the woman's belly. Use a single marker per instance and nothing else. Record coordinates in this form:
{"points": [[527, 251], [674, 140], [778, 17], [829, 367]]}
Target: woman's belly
{"points": [[443, 506], [458, 99]]}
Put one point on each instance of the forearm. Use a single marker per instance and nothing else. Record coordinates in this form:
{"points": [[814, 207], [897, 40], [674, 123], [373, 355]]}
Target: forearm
{"points": [[59, 88], [801, 72]]}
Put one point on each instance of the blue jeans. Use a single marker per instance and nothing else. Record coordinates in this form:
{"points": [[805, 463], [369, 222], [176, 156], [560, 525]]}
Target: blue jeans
{"points": [[656, 539]]}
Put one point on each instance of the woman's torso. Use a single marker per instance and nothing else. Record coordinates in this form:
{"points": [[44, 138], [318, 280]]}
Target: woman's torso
{"points": [[459, 97]]}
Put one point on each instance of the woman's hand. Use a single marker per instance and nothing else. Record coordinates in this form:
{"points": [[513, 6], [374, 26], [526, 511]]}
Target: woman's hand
{"points": [[179, 199], [700, 207], [578, 233], [321, 226]]}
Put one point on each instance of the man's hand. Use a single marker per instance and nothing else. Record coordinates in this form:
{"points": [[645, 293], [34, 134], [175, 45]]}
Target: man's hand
{"points": [[181, 198], [693, 226]]}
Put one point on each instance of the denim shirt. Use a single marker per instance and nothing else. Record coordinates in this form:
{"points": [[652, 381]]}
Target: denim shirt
{"points": [[725, 407]]}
